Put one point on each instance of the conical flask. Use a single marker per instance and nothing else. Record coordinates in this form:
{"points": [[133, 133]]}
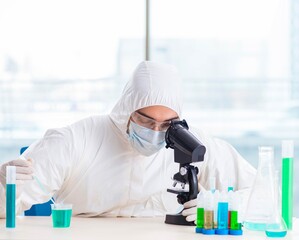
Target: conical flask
{"points": [[276, 226], [260, 202]]}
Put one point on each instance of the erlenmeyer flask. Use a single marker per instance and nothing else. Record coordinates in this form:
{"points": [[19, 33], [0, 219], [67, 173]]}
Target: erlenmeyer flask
{"points": [[276, 226], [260, 202]]}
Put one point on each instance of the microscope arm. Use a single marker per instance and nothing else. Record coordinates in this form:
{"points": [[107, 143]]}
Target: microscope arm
{"points": [[193, 182]]}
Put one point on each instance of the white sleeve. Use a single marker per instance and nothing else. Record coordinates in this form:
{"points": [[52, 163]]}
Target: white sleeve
{"points": [[51, 162]]}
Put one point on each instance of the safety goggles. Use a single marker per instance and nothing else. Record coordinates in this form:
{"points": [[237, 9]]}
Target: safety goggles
{"points": [[150, 123]]}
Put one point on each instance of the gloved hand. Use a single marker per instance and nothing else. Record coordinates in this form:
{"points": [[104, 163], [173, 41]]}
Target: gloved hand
{"points": [[190, 210], [24, 171]]}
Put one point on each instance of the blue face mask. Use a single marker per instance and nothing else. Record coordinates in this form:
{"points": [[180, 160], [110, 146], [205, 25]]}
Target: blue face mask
{"points": [[145, 140]]}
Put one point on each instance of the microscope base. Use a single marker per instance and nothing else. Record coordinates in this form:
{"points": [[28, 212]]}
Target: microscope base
{"points": [[177, 219]]}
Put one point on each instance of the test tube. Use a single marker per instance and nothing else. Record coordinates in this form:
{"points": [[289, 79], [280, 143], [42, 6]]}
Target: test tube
{"points": [[230, 206], [233, 209], [216, 199], [208, 214], [235, 228], [10, 196], [287, 181], [200, 212], [222, 215]]}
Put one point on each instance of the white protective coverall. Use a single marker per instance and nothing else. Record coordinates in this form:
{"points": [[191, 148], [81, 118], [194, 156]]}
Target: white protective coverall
{"points": [[92, 165]]}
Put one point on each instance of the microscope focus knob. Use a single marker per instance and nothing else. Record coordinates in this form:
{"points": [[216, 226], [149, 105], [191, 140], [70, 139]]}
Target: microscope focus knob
{"points": [[182, 198], [183, 171]]}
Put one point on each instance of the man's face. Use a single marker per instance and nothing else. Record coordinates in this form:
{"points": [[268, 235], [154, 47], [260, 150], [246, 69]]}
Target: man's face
{"points": [[156, 118]]}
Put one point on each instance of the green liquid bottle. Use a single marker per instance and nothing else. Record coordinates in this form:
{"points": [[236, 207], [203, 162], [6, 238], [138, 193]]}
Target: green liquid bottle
{"points": [[287, 182], [200, 218], [200, 213]]}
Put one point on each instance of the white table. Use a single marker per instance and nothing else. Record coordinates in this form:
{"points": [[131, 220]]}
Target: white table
{"points": [[116, 228]]}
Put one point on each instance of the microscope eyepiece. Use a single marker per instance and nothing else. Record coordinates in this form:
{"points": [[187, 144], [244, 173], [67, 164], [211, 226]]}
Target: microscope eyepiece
{"points": [[178, 137]]}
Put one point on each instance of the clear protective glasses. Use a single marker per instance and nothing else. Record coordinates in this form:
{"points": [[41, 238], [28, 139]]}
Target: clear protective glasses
{"points": [[150, 123]]}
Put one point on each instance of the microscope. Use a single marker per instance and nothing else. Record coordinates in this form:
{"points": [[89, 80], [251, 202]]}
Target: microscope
{"points": [[187, 149]]}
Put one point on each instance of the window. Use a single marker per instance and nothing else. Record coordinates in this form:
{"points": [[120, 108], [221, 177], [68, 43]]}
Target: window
{"points": [[234, 57], [235, 66], [61, 61]]}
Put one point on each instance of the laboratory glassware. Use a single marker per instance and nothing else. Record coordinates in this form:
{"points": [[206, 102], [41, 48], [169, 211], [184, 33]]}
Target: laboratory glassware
{"points": [[200, 212], [260, 202], [222, 215], [61, 215], [10, 196], [287, 181], [208, 227], [276, 226]]}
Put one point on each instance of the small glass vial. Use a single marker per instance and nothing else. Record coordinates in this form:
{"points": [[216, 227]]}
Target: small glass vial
{"points": [[222, 215], [200, 212], [208, 214]]}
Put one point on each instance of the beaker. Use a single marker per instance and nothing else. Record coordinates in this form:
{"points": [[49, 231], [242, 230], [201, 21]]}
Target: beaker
{"points": [[260, 201], [61, 215], [276, 226]]}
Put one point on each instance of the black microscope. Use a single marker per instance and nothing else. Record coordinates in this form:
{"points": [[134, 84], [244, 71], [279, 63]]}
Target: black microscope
{"points": [[187, 149]]}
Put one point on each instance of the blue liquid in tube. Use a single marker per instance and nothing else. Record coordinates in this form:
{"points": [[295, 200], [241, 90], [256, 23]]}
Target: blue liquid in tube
{"points": [[10, 197], [222, 215], [11, 205]]}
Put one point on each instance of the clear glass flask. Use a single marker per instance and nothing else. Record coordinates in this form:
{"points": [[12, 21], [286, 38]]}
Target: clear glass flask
{"points": [[276, 226], [261, 203]]}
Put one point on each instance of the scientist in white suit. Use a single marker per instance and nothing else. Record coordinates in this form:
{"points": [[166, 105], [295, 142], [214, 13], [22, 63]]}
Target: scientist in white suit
{"points": [[117, 164]]}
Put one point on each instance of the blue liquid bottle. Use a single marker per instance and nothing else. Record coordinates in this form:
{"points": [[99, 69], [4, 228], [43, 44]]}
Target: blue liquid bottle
{"points": [[222, 215], [10, 196]]}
